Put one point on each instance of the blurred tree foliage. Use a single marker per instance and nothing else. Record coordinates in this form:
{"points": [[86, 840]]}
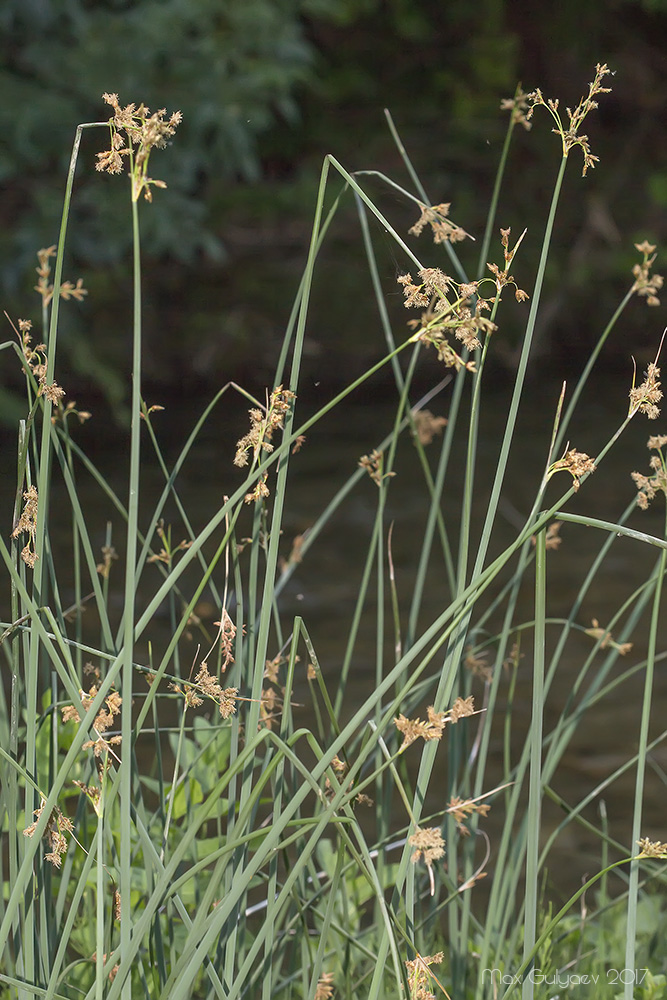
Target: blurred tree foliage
{"points": [[231, 67], [266, 88]]}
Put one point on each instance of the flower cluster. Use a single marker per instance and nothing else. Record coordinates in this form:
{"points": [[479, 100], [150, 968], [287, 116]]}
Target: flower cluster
{"points": [[449, 310], [36, 361], [28, 522], [135, 132], [577, 463], [427, 425], [457, 308], [648, 486], [56, 829], [519, 106], [504, 278], [645, 397], [263, 424], [103, 720], [45, 288], [428, 844], [606, 639], [570, 136], [168, 550], [433, 727], [443, 229], [373, 464], [207, 686], [651, 848], [419, 975], [463, 809], [647, 284], [477, 664], [552, 537], [109, 556], [273, 692], [325, 986]]}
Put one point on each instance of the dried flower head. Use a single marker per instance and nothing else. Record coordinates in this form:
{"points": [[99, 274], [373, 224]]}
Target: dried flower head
{"points": [[605, 638], [413, 729], [519, 107], [70, 714], [515, 657], [134, 133], [44, 286], [109, 556], [462, 708], [208, 686], [53, 392], [270, 706], [28, 522], [444, 230], [552, 538], [477, 664], [227, 634], [260, 492], [452, 309], [570, 136], [645, 397], [62, 414], [373, 464], [647, 284], [263, 424], [427, 425], [420, 975], [37, 363], [428, 844], [433, 726], [503, 278], [92, 793], [325, 986], [168, 549], [577, 463], [649, 486], [271, 668], [463, 809], [651, 848], [57, 826], [104, 719]]}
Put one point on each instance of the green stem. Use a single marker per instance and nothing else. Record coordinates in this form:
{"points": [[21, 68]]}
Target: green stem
{"points": [[128, 615], [535, 784], [633, 888]]}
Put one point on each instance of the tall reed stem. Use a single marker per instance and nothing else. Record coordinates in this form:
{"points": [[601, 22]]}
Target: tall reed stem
{"points": [[128, 614]]}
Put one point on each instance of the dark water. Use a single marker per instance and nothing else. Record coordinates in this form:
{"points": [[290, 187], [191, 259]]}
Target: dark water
{"points": [[325, 584]]}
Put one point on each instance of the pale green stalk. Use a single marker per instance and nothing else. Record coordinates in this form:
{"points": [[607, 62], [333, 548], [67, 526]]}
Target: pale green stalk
{"points": [[641, 769], [127, 654], [27, 956], [501, 906], [535, 787]]}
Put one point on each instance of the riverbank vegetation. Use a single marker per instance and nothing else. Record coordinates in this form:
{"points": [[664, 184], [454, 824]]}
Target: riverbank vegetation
{"points": [[215, 815]]}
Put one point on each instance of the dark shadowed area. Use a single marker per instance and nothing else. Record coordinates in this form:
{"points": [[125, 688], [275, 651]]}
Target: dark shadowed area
{"points": [[267, 89]]}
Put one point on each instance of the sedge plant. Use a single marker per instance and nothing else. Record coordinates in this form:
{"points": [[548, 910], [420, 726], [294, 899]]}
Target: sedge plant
{"points": [[174, 824]]}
